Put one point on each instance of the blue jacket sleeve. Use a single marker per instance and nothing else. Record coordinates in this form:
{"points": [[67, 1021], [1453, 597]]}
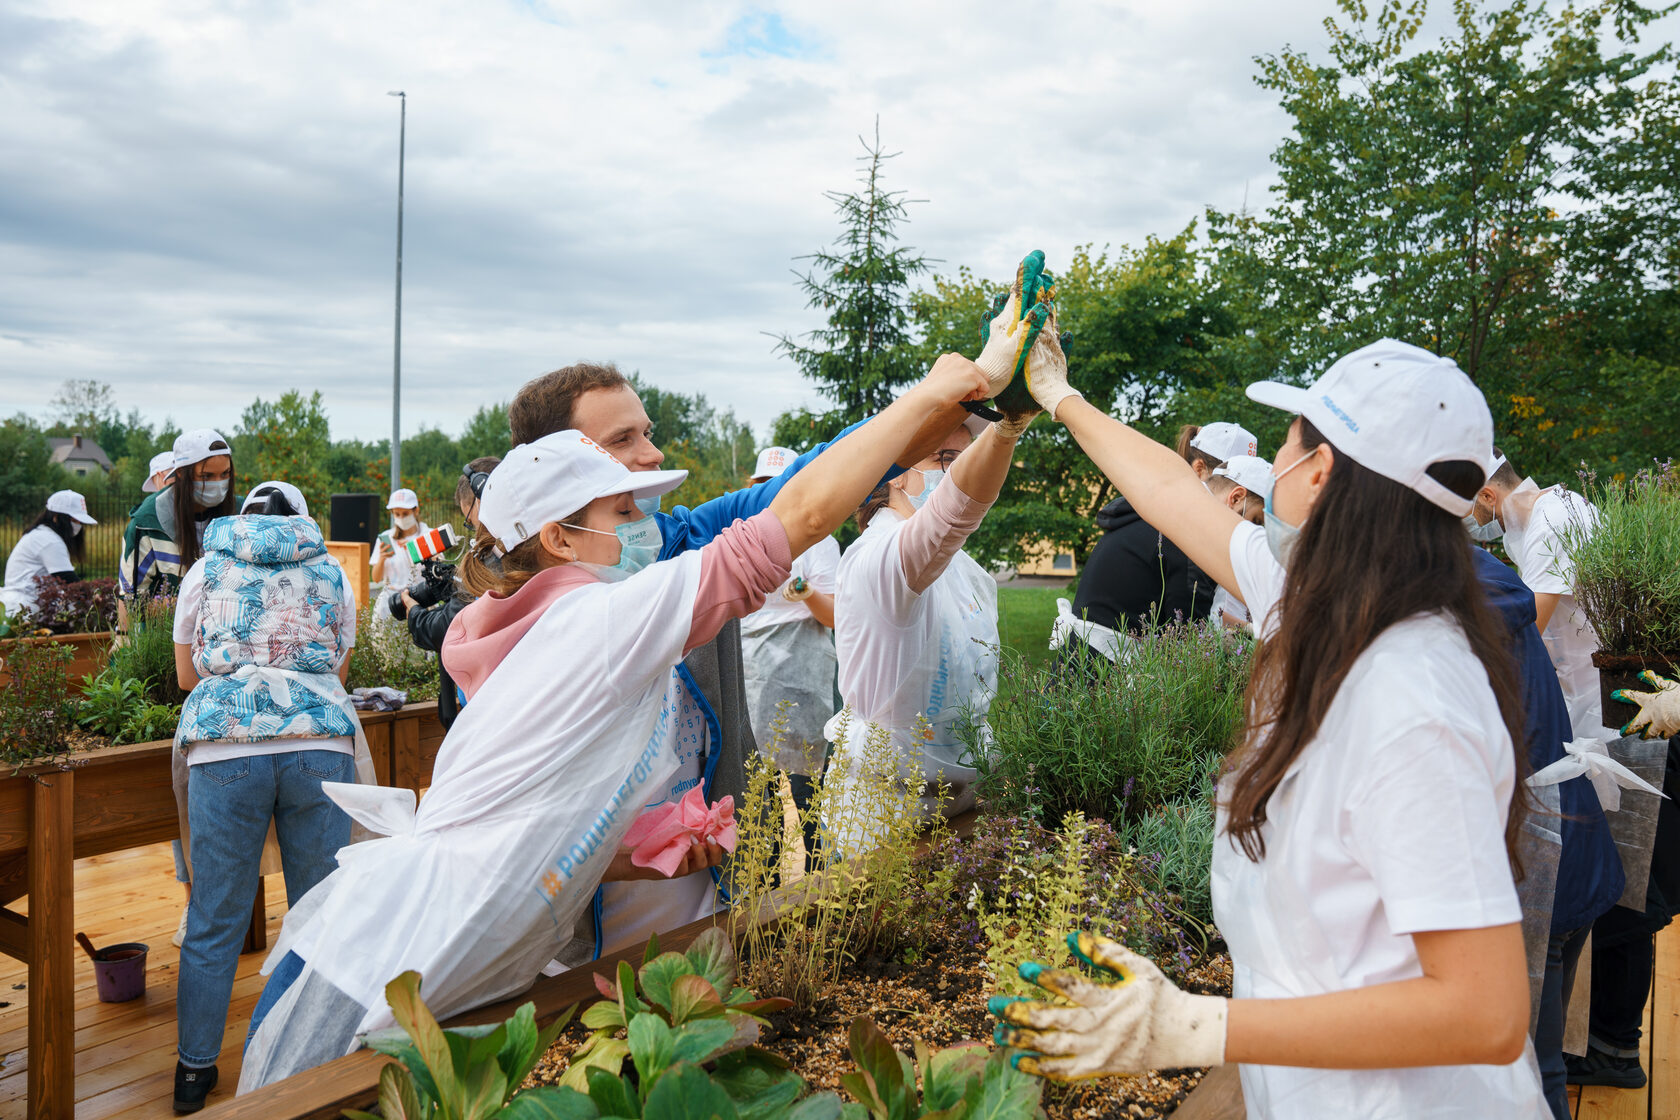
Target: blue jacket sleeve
{"points": [[684, 528]]}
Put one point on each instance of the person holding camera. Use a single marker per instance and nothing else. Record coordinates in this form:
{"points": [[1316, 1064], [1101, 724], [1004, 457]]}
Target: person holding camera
{"points": [[431, 603]]}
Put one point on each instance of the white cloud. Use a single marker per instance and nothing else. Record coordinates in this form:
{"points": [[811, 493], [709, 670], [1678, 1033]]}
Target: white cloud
{"points": [[198, 200]]}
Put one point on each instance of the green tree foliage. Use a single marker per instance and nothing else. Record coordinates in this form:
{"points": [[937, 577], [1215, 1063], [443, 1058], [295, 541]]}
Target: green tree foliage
{"points": [[1505, 198], [715, 448], [27, 471], [286, 439], [862, 282]]}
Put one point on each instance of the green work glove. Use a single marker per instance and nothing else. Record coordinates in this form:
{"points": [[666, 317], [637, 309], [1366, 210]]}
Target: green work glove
{"points": [[1140, 1022], [1009, 332], [1659, 711]]}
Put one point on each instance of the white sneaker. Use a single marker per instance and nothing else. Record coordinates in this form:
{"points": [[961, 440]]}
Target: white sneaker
{"points": [[181, 930]]}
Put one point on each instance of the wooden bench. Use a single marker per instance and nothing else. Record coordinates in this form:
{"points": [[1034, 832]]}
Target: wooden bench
{"points": [[109, 800]]}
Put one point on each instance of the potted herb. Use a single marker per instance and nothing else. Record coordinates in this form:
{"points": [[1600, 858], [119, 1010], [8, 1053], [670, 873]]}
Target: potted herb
{"points": [[1627, 579]]}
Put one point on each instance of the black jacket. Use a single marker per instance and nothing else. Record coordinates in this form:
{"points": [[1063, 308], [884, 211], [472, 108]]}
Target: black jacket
{"points": [[426, 628], [1136, 579]]}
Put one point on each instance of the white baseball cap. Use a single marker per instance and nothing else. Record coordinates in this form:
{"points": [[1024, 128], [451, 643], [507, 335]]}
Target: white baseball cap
{"points": [[552, 478], [72, 503], [1251, 473], [194, 447], [161, 462], [1395, 409], [772, 461], [292, 494], [1225, 441], [403, 498]]}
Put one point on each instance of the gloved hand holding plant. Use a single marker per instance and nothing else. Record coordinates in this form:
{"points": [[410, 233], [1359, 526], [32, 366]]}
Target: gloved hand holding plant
{"points": [[1139, 1022]]}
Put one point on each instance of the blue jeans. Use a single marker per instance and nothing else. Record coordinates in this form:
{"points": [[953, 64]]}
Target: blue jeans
{"points": [[1563, 953], [229, 805]]}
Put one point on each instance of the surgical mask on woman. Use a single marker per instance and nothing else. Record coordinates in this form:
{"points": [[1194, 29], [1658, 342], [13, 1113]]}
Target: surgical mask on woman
{"points": [[930, 479], [1280, 534], [75, 528], [1480, 533], [405, 521], [210, 493], [638, 546]]}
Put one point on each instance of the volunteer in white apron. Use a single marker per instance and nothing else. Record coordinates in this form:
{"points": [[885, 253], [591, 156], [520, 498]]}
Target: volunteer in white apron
{"points": [[1534, 522], [1242, 482], [389, 566], [787, 652], [1360, 870], [263, 630], [48, 550], [570, 659], [915, 618]]}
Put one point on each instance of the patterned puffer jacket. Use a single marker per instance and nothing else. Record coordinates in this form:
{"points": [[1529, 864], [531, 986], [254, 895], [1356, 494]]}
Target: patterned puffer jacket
{"points": [[268, 645]]}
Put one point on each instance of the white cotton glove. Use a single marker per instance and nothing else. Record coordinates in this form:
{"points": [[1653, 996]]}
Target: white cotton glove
{"points": [[1659, 711], [797, 590], [1009, 333], [1047, 376], [1141, 1022]]}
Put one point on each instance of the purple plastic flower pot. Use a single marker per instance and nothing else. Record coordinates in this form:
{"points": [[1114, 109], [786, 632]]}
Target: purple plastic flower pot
{"points": [[120, 972]]}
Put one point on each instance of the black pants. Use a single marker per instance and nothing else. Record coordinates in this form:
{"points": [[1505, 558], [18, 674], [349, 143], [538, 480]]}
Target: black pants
{"points": [[804, 789]]}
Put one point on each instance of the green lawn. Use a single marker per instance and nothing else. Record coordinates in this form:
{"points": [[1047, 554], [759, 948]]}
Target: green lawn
{"points": [[1024, 618]]}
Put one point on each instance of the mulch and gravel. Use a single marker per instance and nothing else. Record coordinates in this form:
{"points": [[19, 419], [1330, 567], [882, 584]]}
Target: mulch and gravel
{"points": [[940, 997]]}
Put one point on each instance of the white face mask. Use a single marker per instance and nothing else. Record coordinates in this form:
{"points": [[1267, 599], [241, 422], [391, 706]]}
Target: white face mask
{"points": [[206, 494], [75, 528], [1280, 534], [930, 480], [405, 521], [1492, 531]]}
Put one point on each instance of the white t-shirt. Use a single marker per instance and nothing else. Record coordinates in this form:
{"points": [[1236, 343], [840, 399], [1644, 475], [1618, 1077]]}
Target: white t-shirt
{"points": [[1543, 560], [1390, 822], [39, 553], [189, 602], [399, 569], [1225, 603]]}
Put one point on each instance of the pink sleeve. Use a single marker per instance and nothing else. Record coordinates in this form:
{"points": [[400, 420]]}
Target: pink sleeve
{"points": [[738, 568], [931, 537]]}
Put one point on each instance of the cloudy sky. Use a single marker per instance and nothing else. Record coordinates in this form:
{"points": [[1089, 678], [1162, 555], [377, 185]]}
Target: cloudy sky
{"points": [[197, 199]]}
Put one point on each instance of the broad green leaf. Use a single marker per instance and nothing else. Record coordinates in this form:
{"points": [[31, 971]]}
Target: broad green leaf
{"points": [[693, 998], [604, 1016], [1006, 1092], [485, 1048], [394, 1042], [686, 1093], [713, 957], [550, 1104], [612, 1094], [851, 1110], [358, 1114], [760, 1091], [519, 1048], [659, 974], [652, 949], [888, 1071], [397, 1097], [863, 1089], [823, 1106], [600, 1052], [545, 1039], [627, 997], [484, 1090], [651, 1046], [948, 1075], [759, 1008], [702, 1040], [416, 1018]]}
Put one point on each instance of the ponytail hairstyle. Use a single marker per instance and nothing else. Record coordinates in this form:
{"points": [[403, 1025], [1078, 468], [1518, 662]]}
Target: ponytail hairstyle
{"points": [[483, 572], [1190, 454], [1371, 553], [74, 543]]}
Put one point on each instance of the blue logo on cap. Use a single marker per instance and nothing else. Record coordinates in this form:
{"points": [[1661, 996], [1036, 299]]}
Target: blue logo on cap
{"points": [[1338, 413]]}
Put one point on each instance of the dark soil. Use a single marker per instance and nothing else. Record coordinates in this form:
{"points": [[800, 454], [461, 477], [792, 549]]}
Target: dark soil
{"points": [[939, 994]]}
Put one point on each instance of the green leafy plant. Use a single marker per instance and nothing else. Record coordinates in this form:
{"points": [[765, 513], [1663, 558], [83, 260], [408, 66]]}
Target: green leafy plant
{"points": [[1174, 849], [109, 703], [153, 721], [463, 1073], [147, 653], [1122, 741], [36, 712], [959, 1083], [384, 657], [1627, 579]]}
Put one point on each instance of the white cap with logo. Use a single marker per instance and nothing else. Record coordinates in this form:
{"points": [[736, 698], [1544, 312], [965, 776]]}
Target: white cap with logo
{"points": [[162, 463], [292, 494], [1251, 473], [198, 445], [553, 478], [1225, 441], [772, 461], [403, 498], [1395, 409], [71, 503]]}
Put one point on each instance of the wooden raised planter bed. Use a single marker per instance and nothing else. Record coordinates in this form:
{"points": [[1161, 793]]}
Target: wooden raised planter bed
{"points": [[87, 658], [108, 800]]}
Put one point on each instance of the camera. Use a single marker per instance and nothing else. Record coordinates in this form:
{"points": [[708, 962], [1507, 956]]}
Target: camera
{"points": [[436, 584]]}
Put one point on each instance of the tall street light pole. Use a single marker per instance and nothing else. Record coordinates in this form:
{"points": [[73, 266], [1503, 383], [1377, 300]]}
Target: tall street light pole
{"points": [[396, 345]]}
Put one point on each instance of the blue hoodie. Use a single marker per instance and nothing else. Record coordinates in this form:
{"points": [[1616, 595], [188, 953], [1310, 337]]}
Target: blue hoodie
{"points": [[1590, 877]]}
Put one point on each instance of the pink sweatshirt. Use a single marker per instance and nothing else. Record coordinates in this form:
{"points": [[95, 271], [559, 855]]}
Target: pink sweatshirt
{"points": [[738, 568], [936, 532]]}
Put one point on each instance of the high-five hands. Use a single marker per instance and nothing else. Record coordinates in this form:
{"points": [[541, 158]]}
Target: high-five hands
{"points": [[1141, 1021], [953, 379], [1020, 337]]}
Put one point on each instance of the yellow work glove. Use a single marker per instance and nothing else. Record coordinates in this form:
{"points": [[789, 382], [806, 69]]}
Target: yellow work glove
{"points": [[1659, 711], [1138, 1023]]}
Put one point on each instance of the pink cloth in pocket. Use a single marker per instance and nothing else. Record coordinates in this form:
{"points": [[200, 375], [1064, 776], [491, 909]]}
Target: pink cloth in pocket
{"points": [[661, 837]]}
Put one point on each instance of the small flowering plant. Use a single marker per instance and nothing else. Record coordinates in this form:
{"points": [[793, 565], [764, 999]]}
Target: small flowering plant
{"points": [[36, 712]]}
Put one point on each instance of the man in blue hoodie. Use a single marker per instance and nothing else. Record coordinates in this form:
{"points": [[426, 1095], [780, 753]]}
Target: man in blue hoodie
{"points": [[1589, 878]]}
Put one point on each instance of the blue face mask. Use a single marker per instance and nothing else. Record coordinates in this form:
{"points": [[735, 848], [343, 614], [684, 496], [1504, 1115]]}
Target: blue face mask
{"points": [[638, 546], [648, 506], [930, 479], [1480, 533], [1280, 534]]}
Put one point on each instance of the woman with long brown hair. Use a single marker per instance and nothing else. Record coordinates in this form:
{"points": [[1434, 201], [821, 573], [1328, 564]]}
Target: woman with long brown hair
{"points": [[1361, 868]]}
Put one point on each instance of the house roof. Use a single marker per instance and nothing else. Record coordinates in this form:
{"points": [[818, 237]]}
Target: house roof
{"points": [[69, 448]]}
